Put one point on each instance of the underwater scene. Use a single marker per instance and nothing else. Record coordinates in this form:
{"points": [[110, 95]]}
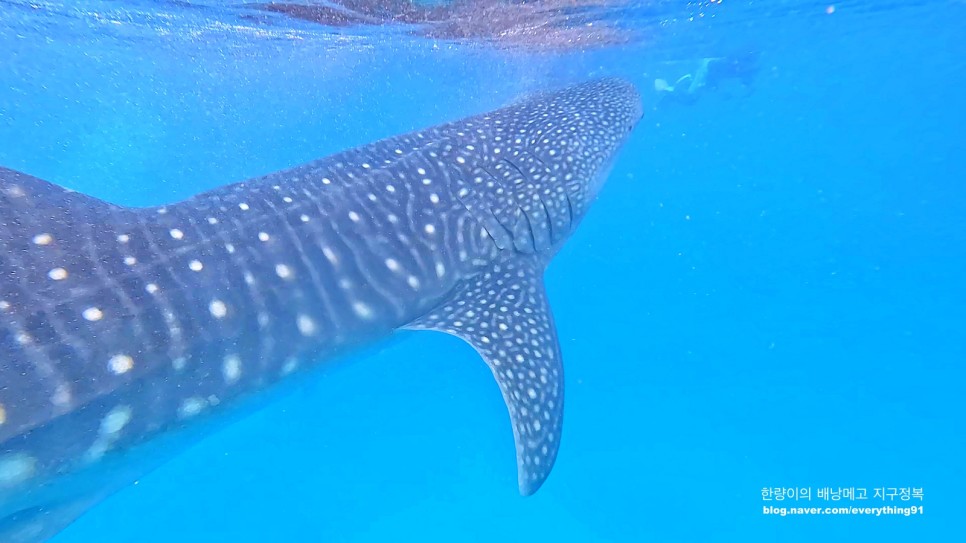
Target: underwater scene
{"points": [[326, 270]]}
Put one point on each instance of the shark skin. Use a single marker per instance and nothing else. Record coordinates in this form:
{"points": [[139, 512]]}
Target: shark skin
{"points": [[123, 330]]}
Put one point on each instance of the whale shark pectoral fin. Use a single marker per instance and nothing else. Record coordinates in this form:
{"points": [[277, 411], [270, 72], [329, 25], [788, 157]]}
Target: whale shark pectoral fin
{"points": [[503, 313]]}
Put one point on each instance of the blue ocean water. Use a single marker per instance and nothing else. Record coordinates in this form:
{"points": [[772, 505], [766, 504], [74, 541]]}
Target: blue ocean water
{"points": [[768, 293]]}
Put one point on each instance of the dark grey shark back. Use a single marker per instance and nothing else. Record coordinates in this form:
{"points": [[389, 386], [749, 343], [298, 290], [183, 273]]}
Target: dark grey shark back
{"points": [[119, 324]]}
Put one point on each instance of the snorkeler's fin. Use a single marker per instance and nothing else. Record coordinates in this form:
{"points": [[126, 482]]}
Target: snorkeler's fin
{"points": [[661, 85], [682, 80], [504, 315]]}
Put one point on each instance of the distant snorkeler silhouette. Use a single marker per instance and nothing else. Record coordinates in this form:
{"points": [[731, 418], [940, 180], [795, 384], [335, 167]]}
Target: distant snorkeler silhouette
{"points": [[711, 74]]}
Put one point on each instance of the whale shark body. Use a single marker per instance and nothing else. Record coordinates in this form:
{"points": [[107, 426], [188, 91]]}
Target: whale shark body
{"points": [[121, 328]]}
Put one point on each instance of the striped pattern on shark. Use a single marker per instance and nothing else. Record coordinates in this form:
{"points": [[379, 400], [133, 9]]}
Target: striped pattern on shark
{"points": [[119, 326]]}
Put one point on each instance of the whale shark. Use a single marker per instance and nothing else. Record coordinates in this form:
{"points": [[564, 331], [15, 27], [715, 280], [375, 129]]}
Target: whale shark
{"points": [[127, 332]]}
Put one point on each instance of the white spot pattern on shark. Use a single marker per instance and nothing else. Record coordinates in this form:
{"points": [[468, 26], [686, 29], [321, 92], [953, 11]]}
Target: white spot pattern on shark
{"points": [[120, 325]]}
